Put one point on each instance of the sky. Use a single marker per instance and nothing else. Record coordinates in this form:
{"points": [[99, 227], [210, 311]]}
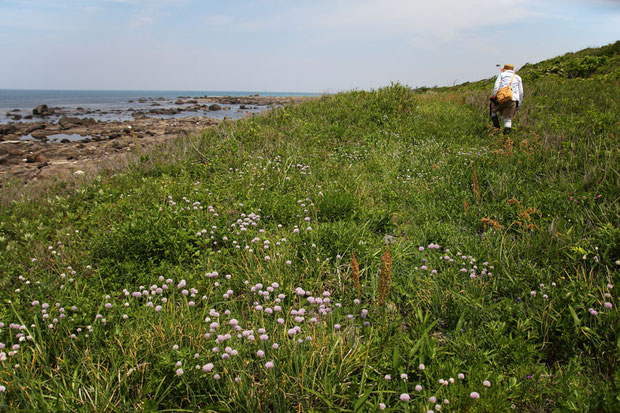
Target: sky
{"points": [[320, 46]]}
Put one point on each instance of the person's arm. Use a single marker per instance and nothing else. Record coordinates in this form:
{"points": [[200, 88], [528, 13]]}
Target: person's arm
{"points": [[497, 83], [520, 91]]}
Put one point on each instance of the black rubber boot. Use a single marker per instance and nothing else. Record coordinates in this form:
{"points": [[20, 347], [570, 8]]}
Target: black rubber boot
{"points": [[495, 121], [507, 131]]}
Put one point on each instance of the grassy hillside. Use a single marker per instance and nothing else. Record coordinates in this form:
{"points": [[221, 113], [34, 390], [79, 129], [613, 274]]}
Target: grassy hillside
{"points": [[366, 251]]}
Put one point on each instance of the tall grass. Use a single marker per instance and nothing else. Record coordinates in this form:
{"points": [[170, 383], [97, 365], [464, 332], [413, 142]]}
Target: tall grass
{"points": [[424, 262]]}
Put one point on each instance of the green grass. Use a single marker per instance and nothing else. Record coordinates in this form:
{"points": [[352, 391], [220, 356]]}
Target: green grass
{"points": [[500, 219]]}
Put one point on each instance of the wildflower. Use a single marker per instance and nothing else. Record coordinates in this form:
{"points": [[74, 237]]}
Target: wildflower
{"points": [[421, 367], [387, 377], [260, 353], [404, 376], [179, 372], [382, 406], [418, 388], [158, 308], [461, 376], [474, 395], [269, 365], [404, 397], [486, 383], [608, 305], [432, 399], [207, 367], [217, 376]]}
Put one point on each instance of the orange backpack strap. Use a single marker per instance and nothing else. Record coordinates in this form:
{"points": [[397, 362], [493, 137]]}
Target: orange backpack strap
{"points": [[513, 78]]}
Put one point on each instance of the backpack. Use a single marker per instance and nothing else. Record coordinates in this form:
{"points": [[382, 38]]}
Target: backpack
{"points": [[505, 94]]}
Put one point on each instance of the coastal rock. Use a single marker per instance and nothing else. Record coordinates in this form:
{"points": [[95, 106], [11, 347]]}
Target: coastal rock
{"points": [[32, 158], [39, 134], [168, 111], [7, 129], [214, 107], [42, 110], [67, 122], [35, 127]]}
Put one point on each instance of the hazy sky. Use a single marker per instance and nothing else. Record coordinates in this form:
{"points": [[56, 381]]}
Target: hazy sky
{"points": [[277, 45]]}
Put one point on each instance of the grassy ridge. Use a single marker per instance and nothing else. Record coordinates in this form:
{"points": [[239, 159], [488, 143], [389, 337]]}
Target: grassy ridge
{"points": [[496, 292]]}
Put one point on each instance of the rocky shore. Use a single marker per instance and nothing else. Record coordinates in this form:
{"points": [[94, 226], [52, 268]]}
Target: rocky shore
{"points": [[64, 142]]}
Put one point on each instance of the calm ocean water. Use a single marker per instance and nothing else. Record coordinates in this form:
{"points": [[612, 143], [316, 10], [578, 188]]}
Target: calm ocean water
{"points": [[118, 105], [29, 99]]}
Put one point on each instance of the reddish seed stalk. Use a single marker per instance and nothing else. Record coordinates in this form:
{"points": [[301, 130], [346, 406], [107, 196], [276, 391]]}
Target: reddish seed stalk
{"points": [[385, 279], [355, 273]]}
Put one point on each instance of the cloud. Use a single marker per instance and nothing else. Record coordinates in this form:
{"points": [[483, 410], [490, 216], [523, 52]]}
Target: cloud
{"points": [[141, 21], [440, 19], [219, 20]]}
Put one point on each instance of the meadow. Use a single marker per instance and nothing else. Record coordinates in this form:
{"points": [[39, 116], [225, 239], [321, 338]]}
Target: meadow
{"points": [[381, 250]]}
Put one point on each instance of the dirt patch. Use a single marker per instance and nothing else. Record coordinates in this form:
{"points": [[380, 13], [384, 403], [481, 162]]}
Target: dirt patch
{"points": [[38, 157]]}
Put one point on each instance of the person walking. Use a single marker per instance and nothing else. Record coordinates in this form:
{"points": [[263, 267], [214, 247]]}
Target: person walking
{"points": [[507, 82]]}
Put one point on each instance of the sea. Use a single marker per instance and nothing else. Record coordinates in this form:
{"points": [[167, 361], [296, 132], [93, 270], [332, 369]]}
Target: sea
{"points": [[117, 104]]}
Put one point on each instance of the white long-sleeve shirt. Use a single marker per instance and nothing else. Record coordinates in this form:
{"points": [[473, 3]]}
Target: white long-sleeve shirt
{"points": [[503, 80]]}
